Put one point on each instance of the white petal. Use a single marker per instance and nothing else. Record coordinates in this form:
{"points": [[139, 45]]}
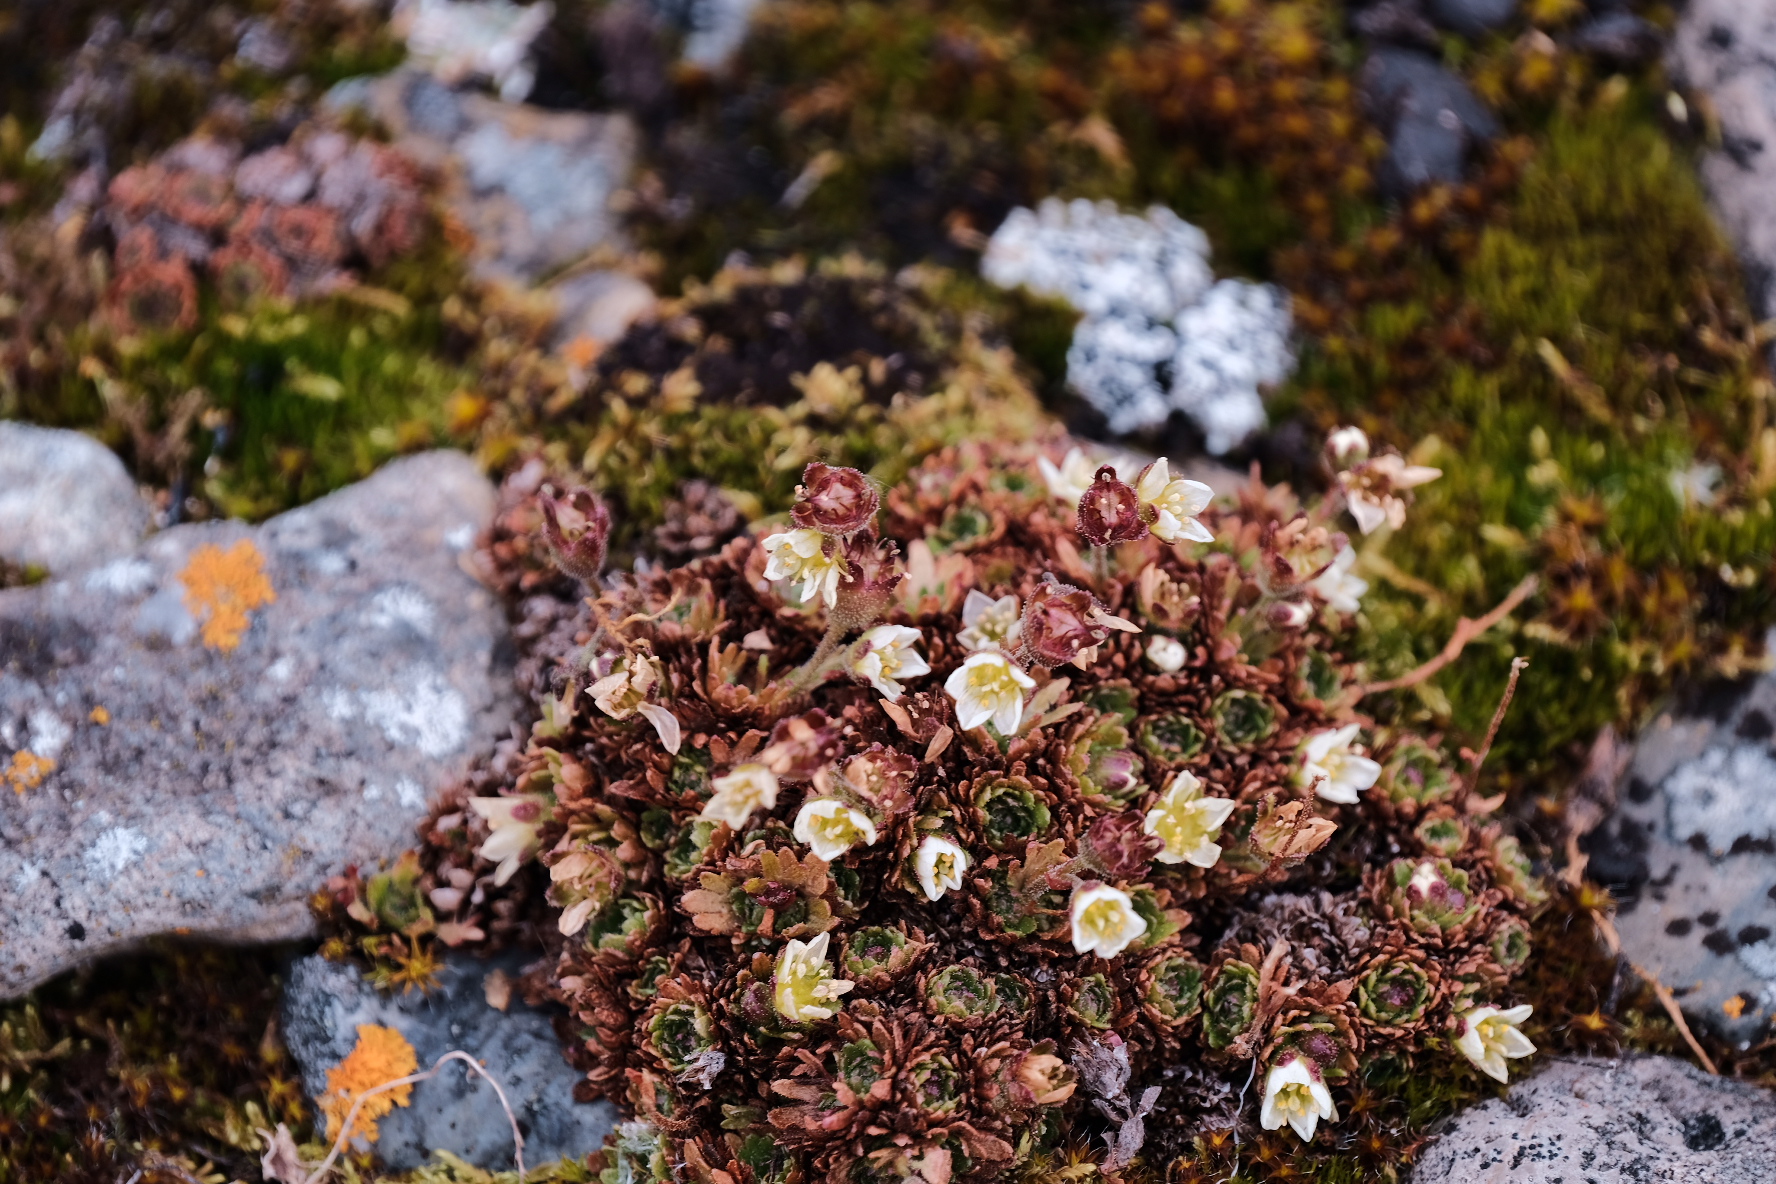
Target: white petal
{"points": [[1360, 772], [1305, 1125], [665, 723], [1196, 531], [1204, 854]]}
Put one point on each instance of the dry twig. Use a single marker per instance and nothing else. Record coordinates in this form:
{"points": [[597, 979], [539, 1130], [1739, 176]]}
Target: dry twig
{"points": [[351, 1117], [1611, 938], [1466, 630]]}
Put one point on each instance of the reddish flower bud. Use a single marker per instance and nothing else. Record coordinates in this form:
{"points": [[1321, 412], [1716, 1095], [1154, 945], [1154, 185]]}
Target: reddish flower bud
{"points": [[577, 529], [1110, 512], [837, 501], [1060, 621], [1120, 847]]}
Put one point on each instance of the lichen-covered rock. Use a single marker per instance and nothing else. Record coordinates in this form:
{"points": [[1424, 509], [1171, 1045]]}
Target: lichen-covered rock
{"points": [[66, 502], [1471, 18], [1688, 853], [533, 186], [203, 730], [1159, 333], [456, 1111], [1610, 1122], [1727, 48]]}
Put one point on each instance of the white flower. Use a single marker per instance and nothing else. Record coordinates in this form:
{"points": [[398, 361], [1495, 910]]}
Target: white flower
{"points": [[1069, 482], [513, 823], [1489, 1035], [739, 794], [939, 864], [801, 556], [1370, 487], [621, 692], [1295, 1094], [1341, 590], [1104, 920], [1166, 653], [1175, 504], [888, 657], [1348, 445], [1187, 823], [988, 687], [805, 988], [832, 828], [989, 625], [1333, 768]]}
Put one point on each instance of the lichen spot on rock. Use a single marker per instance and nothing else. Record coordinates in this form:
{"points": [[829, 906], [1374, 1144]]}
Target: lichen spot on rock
{"points": [[381, 1055], [26, 771], [222, 587]]}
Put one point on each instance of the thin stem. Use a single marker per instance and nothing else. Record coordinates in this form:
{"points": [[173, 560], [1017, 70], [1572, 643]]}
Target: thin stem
{"points": [[1466, 630], [1498, 717], [345, 1128]]}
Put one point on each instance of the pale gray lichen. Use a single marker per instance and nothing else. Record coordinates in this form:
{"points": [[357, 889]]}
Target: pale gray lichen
{"points": [[1724, 795], [1159, 333]]}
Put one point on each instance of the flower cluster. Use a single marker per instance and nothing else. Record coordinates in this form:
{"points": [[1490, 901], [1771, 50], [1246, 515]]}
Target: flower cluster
{"points": [[939, 829], [287, 220]]}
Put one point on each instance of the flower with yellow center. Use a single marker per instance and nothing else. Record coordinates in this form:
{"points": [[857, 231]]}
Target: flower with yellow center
{"points": [[1170, 506], [888, 656], [1489, 1035], [831, 828], [805, 988], [1104, 920], [989, 624], [738, 794], [802, 557], [938, 864], [1187, 823], [1295, 1093], [988, 687], [1333, 767]]}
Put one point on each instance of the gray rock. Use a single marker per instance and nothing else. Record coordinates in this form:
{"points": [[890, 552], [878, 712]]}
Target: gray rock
{"points": [[1688, 850], [1433, 121], [66, 501], [1472, 18], [1727, 48], [1401, 22], [1633, 1121], [599, 306], [209, 791], [456, 1111], [1619, 38], [534, 186]]}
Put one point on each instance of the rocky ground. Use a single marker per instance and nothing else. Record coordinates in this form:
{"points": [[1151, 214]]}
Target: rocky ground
{"points": [[285, 293]]}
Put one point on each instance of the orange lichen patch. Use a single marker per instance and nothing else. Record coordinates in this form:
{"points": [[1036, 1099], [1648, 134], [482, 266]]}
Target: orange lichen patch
{"points": [[26, 771], [100, 716], [1734, 1007], [582, 351], [382, 1055], [222, 587]]}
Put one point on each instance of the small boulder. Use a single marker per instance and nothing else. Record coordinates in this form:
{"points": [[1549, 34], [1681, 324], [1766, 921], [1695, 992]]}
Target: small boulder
{"points": [[66, 501], [456, 1111], [1610, 1122], [195, 735], [1619, 39], [1727, 49], [1688, 853], [1472, 18], [535, 187], [1432, 119]]}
